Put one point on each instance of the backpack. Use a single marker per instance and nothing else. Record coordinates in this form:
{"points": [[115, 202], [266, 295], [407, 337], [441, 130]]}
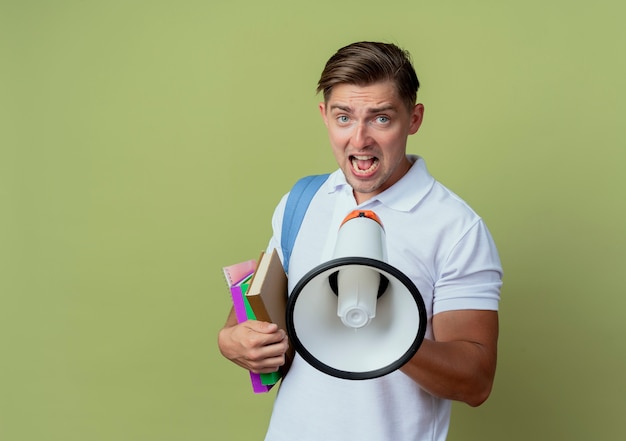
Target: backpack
{"points": [[298, 202]]}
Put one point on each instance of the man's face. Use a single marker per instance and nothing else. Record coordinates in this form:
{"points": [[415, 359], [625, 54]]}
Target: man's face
{"points": [[368, 127]]}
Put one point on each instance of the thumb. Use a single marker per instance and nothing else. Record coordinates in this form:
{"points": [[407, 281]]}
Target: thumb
{"points": [[263, 327]]}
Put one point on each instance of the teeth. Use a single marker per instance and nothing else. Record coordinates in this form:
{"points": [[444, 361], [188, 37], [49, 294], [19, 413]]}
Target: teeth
{"points": [[355, 164]]}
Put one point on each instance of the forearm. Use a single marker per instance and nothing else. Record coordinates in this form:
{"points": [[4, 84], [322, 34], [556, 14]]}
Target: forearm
{"points": [[450, 370], [231, 320], [460, 363]]}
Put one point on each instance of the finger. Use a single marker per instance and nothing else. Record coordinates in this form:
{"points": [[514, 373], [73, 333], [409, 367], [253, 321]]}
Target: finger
{"points": [[257, 339], [275, 348], [268, 365], [263, 327]]}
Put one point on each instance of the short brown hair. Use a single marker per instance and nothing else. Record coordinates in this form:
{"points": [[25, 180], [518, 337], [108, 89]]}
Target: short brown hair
{"points": [[367, 62]]}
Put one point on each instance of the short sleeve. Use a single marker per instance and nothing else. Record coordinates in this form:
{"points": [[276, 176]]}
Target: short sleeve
{"points": [[471, 276]]}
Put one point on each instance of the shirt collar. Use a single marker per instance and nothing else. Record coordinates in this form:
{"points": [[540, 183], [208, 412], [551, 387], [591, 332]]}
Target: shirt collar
{"points": [[404, 195]]}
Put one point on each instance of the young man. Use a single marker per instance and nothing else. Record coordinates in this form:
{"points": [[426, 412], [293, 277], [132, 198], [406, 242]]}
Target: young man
{"points": [[432, 236]]}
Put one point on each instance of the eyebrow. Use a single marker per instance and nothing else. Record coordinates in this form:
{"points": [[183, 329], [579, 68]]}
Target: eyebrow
{"points": [[348, 109]]}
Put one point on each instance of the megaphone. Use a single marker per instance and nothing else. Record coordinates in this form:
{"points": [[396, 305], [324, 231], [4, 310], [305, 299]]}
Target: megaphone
{"points": [[356, 317]]}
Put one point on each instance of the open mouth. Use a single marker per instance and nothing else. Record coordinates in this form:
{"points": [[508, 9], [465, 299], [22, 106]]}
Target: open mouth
{"points": [[363, 165]]}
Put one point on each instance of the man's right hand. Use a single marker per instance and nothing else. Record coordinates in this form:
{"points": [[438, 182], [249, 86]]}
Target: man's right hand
{"points": [[256, 346]]}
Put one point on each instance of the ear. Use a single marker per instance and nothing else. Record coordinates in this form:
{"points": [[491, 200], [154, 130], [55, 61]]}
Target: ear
{"points": [[416, 118], [322, 107]]}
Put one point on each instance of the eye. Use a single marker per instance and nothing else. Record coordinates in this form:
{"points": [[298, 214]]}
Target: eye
{"points": [[342, 119], [382, 119]]}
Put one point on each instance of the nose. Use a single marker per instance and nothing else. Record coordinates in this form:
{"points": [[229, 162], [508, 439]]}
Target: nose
{"points": [[360, 136]]}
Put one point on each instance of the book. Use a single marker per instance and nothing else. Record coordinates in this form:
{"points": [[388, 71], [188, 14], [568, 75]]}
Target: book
{"points": [[236, 273], [267, 296], [238, 278]]}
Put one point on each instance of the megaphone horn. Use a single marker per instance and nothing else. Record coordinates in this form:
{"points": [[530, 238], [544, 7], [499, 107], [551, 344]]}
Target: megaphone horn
{"points": [[356, 316]]}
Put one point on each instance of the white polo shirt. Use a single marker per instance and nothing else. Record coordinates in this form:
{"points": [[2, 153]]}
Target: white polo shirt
{"points": [[444, 247]]}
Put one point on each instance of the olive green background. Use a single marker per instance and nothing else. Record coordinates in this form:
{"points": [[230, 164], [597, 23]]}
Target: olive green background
{"points": [[144, 144]]}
